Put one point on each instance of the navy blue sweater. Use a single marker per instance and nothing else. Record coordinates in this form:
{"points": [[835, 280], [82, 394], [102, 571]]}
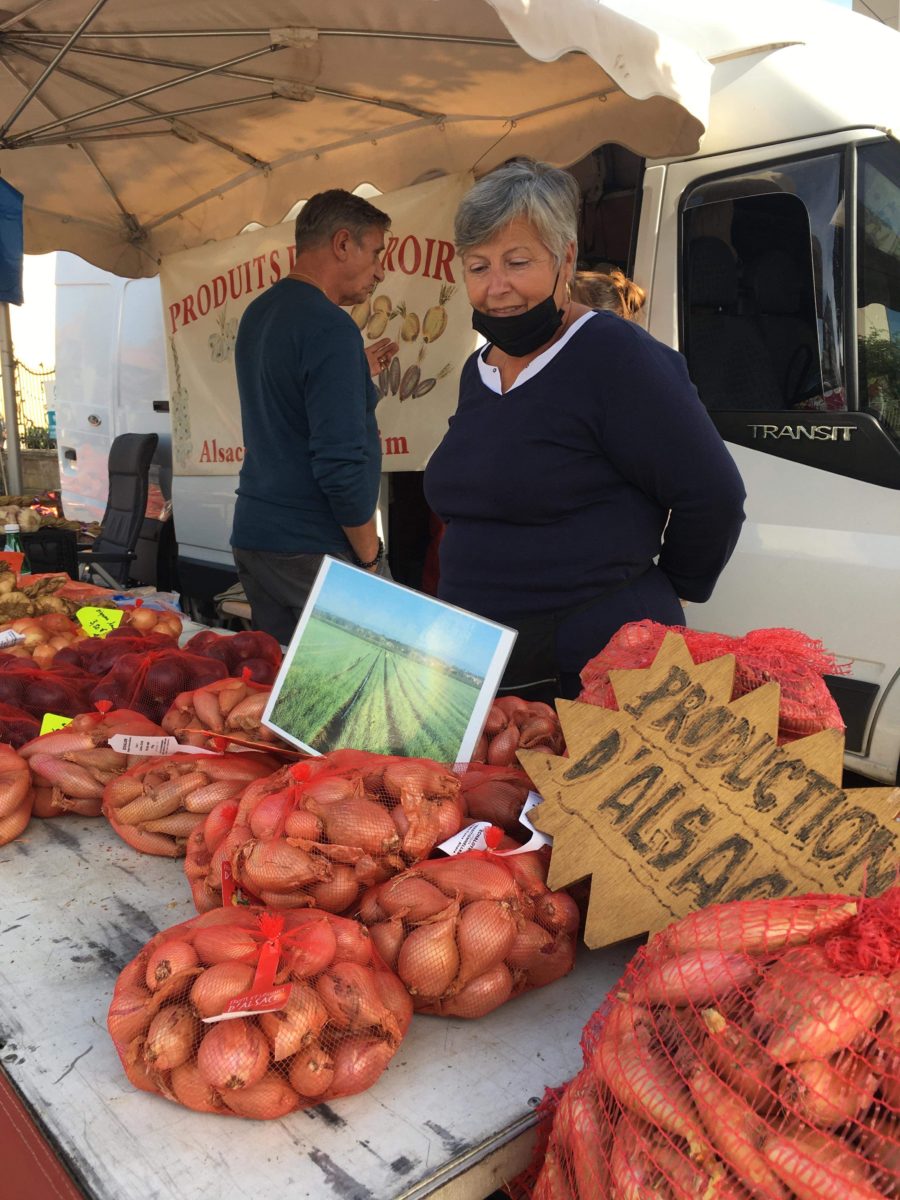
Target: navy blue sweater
{"points": [[561, 488], [312, 452]]}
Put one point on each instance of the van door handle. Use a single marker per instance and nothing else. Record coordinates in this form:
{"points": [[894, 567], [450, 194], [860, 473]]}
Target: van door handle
{"points": [[70, 455], [160, 406]]}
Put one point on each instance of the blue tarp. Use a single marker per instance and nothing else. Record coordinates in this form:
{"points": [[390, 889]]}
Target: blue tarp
{"points": [[11, 244]]}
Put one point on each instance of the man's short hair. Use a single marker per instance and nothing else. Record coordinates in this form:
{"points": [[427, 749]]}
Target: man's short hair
{"points": [[325, 213]]}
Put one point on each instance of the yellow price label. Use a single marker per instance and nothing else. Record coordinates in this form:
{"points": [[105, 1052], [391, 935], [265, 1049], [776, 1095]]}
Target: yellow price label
{"points": [[52, 722], [97, 622]]}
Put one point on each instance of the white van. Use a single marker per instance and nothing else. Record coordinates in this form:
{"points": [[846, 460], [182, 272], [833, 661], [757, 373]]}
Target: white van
{"points": [[772, 261]]}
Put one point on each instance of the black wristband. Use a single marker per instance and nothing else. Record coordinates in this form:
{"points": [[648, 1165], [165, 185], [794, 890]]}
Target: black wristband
{"points": [[377, 559]]}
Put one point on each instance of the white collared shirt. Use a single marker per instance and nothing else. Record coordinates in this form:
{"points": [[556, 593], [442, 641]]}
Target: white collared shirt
{"points": [[490, 376]]}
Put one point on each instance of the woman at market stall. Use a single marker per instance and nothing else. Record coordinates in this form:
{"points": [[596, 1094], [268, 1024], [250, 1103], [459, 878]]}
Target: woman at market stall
{"points": [[582, 483]]}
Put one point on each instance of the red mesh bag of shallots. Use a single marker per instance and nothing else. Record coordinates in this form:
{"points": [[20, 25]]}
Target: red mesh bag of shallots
{"points": [[250, 1013], [466, 934], [318, 833], [794, 661], [515, 724], [99, 655], [227, 708], [150, 682], [64, 690], [71, 766], [252, 650], [15, 794], [158, 802], [17, 726], [751, 1049]]}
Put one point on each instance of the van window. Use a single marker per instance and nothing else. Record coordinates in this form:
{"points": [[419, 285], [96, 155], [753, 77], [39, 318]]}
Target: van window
{"points": [[878, 275], [763, 273]]}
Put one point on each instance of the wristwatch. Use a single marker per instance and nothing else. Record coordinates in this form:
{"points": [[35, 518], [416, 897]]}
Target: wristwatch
{"points": [[377, 559]]}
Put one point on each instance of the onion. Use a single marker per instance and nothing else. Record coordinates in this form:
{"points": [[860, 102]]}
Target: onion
{"points": [[312, 1071], [370, 910], [130, 1013], [268, 817], [191, 1089], [395, 998], [171, 958], [267, 1100], [277, 867], [219, 823], [142, 618], [530, 941], [502, 749], [360, 822], [499, 801], [233, 915], [429, 959], [298, 1023], [331, 789], [485, 935], [303, 824], [218, 985], [171, 1038], [358, 1062], [544, 963], [142, 1076], [387, 938], [225, 943], [310, 948], [558, 911], [233, 1054], [351, 997], [339, 892], [411, 897], [485, 993], [353, 942], [469, 877]]}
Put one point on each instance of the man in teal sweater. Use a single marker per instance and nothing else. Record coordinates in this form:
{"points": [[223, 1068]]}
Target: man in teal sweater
{"points": [[312, 467]]}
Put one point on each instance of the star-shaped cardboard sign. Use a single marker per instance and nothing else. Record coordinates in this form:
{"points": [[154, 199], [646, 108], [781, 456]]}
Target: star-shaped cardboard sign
{"points": [[684, 798]]}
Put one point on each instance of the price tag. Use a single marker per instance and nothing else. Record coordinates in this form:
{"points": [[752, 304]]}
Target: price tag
{"points": [[151, 747], [97, 622], [51, 722]]}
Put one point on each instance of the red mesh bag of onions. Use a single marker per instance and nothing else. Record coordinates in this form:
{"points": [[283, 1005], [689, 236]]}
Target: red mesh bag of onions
{"points": [[321, 831], [226, 708], [97, 656], [158, 802], [149, 683], [17, 726], [71, 766], [64, 690], [790, 658], [515, 724], [16, 798], [751, 1049], [250, 1013], [466, 934], [252, 650]]}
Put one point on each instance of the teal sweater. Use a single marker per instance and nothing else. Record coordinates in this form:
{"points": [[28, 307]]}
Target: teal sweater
{"points": [[312, 451]]}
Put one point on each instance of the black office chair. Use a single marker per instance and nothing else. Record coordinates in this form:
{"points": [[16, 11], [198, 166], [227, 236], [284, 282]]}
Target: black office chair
{"points": [[51, 551], [109, 556]]}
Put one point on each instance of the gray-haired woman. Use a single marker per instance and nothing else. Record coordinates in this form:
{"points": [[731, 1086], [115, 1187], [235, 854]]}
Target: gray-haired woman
{"points": [[581, 481]]}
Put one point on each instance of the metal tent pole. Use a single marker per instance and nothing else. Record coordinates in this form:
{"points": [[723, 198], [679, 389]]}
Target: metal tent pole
{"points": [[10, 415]]}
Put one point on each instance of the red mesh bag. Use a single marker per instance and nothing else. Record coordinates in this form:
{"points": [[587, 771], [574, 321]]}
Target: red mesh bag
{"points": [[227, 708], [15, 794], [321, 831], [97, 656], [790, 658], [64, 690], [514, 724], [324, 1016], [17, 726], [495, 794], [751, 1049], [158, 802], [257, 652], [150, 682], [139, 617], [71, 766], [466, 934]]}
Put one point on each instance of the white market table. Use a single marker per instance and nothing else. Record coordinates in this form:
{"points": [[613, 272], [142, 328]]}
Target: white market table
{"points": [[451, 1117]]}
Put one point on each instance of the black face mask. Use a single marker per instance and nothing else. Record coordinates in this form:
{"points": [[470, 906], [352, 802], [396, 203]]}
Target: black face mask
{"points": [[525, 332]]}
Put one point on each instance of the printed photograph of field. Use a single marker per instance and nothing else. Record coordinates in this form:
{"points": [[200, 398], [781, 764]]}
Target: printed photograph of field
{"points": [[377, 667]]}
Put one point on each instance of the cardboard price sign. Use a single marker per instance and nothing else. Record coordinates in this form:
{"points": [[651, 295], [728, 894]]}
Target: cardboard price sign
{"points": [[684, 798]]}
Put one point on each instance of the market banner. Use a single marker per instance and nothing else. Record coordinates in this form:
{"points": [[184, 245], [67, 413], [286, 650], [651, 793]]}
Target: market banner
{"points": [[421, 304]]}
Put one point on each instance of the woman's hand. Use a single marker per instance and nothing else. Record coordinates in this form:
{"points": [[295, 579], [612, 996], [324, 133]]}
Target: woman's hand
{"points": [[379, 355]]}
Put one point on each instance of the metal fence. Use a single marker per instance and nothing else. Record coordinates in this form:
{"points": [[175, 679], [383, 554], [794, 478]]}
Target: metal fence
{"points": [[31, 397]]}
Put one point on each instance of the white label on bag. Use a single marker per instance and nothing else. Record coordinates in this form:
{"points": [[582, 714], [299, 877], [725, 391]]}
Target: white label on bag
{"points": [[9, 637], [531, 800], [473, 836], [470, 838]]}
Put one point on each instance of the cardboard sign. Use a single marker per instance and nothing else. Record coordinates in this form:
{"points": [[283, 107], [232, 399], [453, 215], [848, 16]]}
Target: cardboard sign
{"points": [[683, 798], [98, 622]]}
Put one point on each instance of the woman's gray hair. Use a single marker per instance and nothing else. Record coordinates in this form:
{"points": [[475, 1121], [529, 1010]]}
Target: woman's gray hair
{"points": [[521, 188]]}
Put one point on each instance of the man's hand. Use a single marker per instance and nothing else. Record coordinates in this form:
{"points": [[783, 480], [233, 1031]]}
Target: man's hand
{"points": [[379, 355]]}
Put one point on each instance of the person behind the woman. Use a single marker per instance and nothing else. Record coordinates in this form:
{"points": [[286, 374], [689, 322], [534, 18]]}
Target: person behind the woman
{"points": [[582, 483], [612, 292]]}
